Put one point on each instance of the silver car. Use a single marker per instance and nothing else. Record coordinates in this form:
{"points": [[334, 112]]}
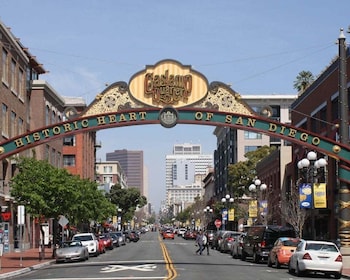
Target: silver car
{"points": [[120, 236], [72, 251]]}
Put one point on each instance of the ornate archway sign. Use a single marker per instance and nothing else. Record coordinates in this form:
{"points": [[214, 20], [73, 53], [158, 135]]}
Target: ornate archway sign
{"points": [[169, 93]]}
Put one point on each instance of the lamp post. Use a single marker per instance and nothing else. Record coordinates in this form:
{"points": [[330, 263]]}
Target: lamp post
{"points": [[255, 187], [119, 218], [226, 200], [208, 213], [312, 168]]}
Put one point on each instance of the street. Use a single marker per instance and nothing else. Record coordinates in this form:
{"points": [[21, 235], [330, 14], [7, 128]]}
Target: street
{"points": [[154, 258]]}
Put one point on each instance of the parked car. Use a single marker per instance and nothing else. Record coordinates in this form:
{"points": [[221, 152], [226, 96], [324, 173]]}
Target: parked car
{"points": [[168, 234], [316, 256], [121, 237], [190, 234], [218, 239], [260, 239], [227, 241], [101, 245], [107, 240], [131, 236], [236, 250], [281, 251], [71, 251], [181, 232], [89, 240]]}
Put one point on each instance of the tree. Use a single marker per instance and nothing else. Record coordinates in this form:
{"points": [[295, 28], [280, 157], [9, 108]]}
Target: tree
{"points": [[303, 80], [127, 200], [292, 213]]}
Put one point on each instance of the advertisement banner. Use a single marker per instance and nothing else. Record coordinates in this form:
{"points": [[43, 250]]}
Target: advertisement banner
{"points": [[263, 207], [305, 195], [253, 208], [231, 215], [320, 195]]}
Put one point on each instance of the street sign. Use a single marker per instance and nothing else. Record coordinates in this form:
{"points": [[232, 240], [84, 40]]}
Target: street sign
{"points": [[63, 221], [217, 223]]}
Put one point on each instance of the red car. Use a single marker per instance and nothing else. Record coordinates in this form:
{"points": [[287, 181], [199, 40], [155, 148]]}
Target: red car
{"points": [[101, 245], [107, 241], [189, 234], [168, 234]]}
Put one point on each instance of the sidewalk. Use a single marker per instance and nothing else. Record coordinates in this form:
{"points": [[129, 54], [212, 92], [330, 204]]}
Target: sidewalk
{"points": [[15, 263]]}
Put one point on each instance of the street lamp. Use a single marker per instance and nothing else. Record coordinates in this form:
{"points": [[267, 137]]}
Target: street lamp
{"points": [[208, 213], [254, 188], [226, 200], [312, 168], [119, 221]]}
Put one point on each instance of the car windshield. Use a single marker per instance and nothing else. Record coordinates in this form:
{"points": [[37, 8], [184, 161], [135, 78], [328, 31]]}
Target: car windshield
{"points": [[83, 237], [321, 247], [291, 242], [71, 244]]}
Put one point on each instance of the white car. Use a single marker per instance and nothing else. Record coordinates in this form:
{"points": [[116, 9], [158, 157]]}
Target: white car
{"points": [[89, 240], [181, 232], [316, 256]]}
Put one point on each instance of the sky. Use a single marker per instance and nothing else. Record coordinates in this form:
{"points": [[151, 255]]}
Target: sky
{"points": [[258, 47]]}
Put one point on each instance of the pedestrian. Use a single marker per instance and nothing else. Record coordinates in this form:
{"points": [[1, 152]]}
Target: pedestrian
{"points": [[205, 242], [199, 242]]}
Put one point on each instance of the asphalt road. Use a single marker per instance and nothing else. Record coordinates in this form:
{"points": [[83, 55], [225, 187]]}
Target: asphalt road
{"points": [[155, 258]]}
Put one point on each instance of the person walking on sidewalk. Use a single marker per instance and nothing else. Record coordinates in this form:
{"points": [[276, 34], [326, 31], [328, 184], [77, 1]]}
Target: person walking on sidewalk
{"points": [[205, 242], [199, 242]]}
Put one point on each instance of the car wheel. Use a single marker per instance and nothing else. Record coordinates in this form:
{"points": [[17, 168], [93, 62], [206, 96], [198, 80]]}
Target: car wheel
{"points": [[290, 270], [337, 275], [256, 257], [297, 271], [277, 263], [269, 262], [243, 256]]}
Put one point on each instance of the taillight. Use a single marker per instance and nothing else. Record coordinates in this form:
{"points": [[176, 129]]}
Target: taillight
{"points": [[229, 239], [307, 257], [339, 258], [262, 244]]}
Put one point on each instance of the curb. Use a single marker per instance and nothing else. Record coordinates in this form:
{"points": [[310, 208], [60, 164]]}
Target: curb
{"points": [[24, 270]]}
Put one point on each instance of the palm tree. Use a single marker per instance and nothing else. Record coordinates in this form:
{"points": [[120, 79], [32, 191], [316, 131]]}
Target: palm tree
{"points": [[303, 80]]}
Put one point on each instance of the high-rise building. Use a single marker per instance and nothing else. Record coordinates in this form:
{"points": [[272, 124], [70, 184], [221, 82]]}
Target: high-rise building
{"points": [[132, 164], [184, 171]]}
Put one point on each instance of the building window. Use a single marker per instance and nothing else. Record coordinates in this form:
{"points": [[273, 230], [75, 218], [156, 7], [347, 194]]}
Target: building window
{"points": [[252, 135], [174, 172], [69, 141], [5, 66], [13, 76], [21, 88], [13, 124], [250, 148], [53, 117], [5, 120], [69, 160], [47, 115], [47, 152], [20, 128], [186, 171]]}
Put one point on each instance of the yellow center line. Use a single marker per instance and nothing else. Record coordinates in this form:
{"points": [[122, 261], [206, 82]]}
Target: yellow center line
{"points": [[168, 262]]}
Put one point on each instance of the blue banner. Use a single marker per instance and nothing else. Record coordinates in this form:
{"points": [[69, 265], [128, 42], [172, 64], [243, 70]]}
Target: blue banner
{"points": [[305, 195]]}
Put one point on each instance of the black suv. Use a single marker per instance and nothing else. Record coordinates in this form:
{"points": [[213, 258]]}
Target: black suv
{"points": [[260, 239], [131, 236]]}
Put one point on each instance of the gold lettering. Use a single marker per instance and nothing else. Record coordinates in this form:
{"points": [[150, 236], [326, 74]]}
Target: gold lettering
{"points": [[132, 117], [101, 120], [122, 118], [112, 119], [316, 141], [19, 143], [282, 130], [251, 122], [198, 116], [56, 130], [46, 133], [292, 132], [67, 127], [239, 121], [209, 116], [36, 136], [304, 136], [27, 139], [272, 127], [85, 123], [75, 123], [228, 119], [142, 115]]}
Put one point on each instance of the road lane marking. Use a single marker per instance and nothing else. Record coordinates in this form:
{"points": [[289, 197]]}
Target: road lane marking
{"points": [[115, 268], [169, 263]]}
